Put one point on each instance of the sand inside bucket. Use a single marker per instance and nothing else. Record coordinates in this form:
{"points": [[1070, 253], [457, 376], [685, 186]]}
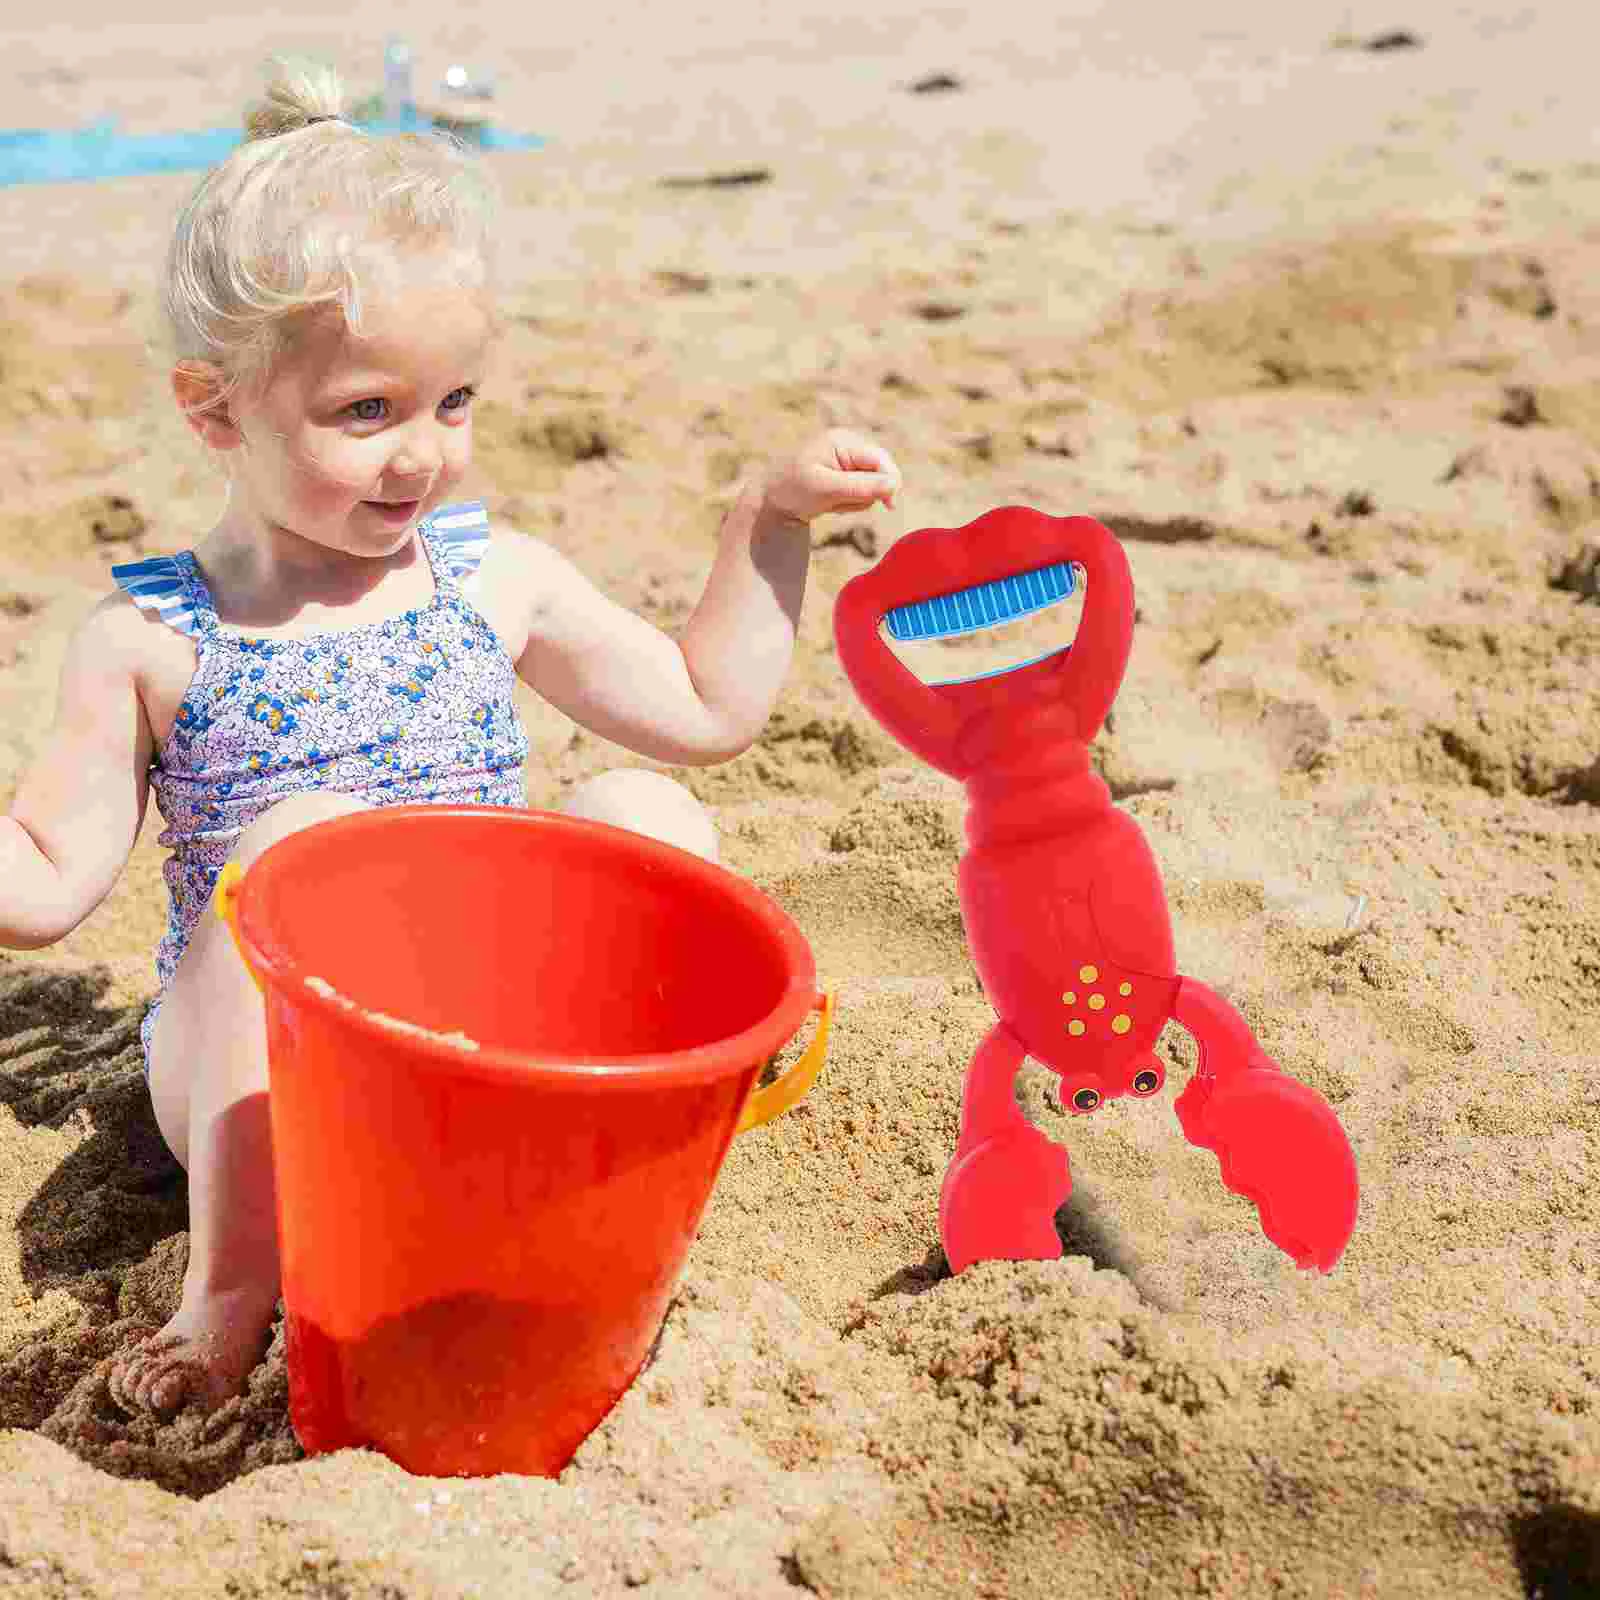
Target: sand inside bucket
{"points": [[457, 1040]]}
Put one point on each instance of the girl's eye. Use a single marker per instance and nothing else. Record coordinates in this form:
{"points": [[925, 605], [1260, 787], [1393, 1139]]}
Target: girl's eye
{"points": [[373, 410]]}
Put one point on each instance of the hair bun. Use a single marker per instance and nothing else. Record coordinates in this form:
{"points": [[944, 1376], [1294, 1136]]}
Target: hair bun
{"points": [[300, 94]]}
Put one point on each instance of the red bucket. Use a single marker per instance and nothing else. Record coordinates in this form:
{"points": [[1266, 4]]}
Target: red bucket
{"points": [[507, 1052]]}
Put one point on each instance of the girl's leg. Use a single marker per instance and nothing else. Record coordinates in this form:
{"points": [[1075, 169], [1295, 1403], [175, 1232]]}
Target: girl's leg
{"points": [[208, 1085], [646, 802]]}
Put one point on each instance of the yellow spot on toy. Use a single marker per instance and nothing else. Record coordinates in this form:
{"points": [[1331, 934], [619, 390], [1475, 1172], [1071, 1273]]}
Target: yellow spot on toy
{"points": [[1075, 1027], [1126, 988], [1096, 1002], [1121, 1022], [1088, 974], [1069, 998]]}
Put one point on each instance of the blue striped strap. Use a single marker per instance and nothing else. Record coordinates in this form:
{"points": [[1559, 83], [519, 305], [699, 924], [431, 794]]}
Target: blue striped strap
{"points": [[461, 534], [160, 585]]}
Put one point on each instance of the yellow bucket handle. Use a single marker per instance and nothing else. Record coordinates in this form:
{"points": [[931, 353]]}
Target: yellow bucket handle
{"points": [[776, 1098], [225, 898]]}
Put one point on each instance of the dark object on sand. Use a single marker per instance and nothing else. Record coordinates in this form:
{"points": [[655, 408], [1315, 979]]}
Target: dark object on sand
{"points": [[1159, 530], [1522, 407], [116, 519], [1579, 574], [937, 83], [676, 281], [740, 178], [1398, 39], [862, 538], [1392, 39]]}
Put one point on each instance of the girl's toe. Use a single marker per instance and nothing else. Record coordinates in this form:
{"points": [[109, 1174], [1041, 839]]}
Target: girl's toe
{"points": [[167, 1391]]}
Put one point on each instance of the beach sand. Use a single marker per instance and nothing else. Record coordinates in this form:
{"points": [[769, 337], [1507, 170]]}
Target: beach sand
{"points": [[1316, 329]]}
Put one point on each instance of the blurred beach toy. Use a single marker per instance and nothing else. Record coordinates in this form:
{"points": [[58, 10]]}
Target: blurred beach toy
{"points": [[1061, 895], [507, 1051], [397, 101], [459, 80], [462, 104]]}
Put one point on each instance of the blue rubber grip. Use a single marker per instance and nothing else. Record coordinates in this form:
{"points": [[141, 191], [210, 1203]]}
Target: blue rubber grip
{"points": [[985, 605]]}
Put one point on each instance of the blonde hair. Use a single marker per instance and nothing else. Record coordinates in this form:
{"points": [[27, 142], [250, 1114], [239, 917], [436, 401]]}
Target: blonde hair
{"points": [[311, 212]]}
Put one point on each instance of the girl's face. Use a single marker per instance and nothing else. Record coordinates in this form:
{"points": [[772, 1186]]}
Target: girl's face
{"points": [[351, 441]]}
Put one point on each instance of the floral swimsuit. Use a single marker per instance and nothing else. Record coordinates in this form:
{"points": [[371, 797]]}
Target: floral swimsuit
{"points": [[416, 708]]}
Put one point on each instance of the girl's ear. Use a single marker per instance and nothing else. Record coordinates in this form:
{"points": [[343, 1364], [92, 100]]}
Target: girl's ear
{"points": [[198, 389]]}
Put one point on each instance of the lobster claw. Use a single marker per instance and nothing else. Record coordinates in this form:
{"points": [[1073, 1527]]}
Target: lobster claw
{"points": [[1280, 1145], [1277, 1140], [998, 1201]]}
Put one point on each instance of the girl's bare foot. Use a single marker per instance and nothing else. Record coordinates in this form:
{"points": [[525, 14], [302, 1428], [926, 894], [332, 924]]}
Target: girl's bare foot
{"points": [[205, 1353]]}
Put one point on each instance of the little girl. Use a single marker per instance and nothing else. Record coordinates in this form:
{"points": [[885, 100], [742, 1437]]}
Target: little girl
{"points": [[347, 635]]}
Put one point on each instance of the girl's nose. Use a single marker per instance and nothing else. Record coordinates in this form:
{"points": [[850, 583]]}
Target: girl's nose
{"points": [[420, 453]]}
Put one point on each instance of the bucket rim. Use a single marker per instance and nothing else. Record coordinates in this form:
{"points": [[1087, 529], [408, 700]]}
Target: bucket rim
{"points": [[703, 1063]]}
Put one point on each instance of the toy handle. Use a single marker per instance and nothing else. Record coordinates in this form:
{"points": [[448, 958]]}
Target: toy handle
{"points": [[928, 719], [776, 1098]]}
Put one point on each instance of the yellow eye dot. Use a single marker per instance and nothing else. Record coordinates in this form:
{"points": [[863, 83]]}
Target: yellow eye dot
{"points": [[1075, 1027], [1126, 988], [1121, 1023], [1069, 998], [1096, 1001], [1088, 974]]}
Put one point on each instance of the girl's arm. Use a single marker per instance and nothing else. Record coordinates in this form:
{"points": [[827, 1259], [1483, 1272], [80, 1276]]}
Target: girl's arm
{"points": [[703, 697], [75, 817], [690, 701]]}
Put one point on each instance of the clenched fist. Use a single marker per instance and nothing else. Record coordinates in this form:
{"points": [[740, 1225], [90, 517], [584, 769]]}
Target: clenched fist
{"points": [[837, 471]]}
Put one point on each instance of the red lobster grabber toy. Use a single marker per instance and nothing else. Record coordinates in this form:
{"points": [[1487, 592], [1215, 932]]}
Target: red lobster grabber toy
{"points": [[1062, 899]]}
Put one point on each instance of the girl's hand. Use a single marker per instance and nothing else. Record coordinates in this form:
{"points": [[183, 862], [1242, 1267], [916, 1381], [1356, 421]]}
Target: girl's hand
{"points": [[838, 471]]}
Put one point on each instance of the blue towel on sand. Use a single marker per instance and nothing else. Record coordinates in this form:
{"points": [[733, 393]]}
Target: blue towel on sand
{"points": [[29, 155]]}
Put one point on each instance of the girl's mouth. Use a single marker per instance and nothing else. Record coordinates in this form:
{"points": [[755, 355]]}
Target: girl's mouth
{"points": [[396, 512]]}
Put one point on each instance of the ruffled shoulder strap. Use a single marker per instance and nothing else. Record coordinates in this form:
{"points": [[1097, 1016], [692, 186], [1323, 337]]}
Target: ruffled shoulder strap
{"points": [[168, 587], [459, 533]]}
